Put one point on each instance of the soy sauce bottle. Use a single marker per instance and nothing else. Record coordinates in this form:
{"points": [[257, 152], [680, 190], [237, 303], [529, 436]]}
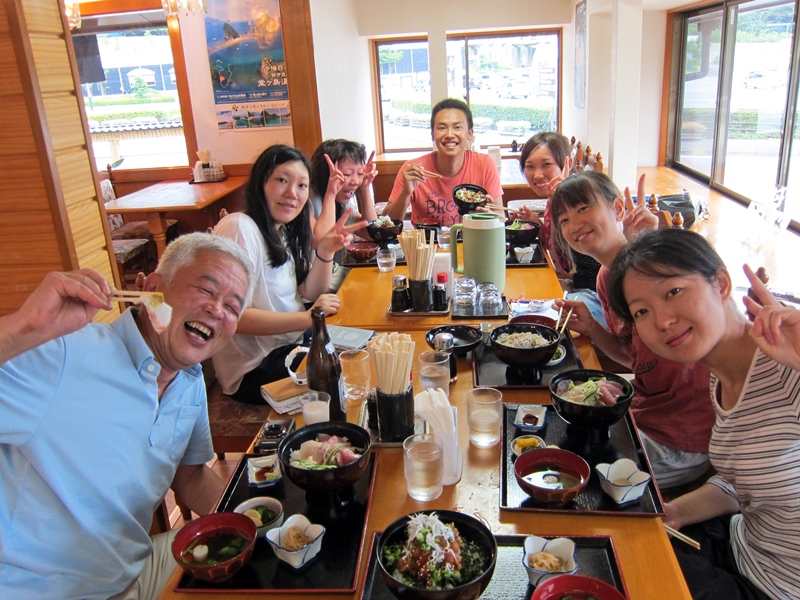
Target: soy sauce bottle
{"points": [[324, 370]]}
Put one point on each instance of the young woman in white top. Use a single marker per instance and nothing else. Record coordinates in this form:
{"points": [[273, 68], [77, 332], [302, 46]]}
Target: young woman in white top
{"points": [[674, 287], [275, 232]]}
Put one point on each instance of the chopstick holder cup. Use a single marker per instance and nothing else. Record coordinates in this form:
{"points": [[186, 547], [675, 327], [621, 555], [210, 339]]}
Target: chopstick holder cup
{"points": [[395, 415], [421, 295]]}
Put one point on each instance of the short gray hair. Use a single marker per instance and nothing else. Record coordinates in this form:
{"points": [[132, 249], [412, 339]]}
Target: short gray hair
{"points": [[183, 251]]}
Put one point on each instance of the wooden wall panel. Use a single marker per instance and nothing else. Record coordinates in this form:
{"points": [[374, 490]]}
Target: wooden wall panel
{"points": [[41, 17], [52, 64], [75, 172], [17, 282], [28, 240], [16, 127], [64, 122], [25, 188]]}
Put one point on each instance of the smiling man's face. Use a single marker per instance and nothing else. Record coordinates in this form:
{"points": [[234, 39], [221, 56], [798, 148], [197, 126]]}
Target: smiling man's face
{"points": [[451, 132], [207, 299]]}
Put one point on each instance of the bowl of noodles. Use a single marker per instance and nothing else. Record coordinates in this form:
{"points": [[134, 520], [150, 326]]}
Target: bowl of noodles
{"points": [[590, 399], [524, 345], [468, 197], [521, 233], [437, 555], [325, 456]]}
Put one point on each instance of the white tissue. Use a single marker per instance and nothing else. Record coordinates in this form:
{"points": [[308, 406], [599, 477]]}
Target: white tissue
{"points": [[434, 407]]}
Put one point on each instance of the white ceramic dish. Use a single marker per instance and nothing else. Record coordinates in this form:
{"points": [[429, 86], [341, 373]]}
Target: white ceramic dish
{"points": [[562, 548], [536, 410], [257, 463], [560, 355], [622, 480], [271, 503], [296, 558], [524, 255], [517, 450]]}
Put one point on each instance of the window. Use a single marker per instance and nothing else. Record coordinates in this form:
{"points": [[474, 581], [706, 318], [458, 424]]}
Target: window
{"points": [[129, 90], [512, 82], [731, 126], [405, 94], [513, 89]]}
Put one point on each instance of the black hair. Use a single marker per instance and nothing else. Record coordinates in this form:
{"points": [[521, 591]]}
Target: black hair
{"points": [[451, 103], [557, 143], [337, 150], [661, 253], [586, 188], [297, 232]]}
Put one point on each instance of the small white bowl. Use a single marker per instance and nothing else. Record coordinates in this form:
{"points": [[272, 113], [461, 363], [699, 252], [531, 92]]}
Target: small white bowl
{"points": [[622, 480], [271, 503], [524, 255], [536, 410], [563, 548], [561, 354], [259, 462], [296, 558], [517, 450]]}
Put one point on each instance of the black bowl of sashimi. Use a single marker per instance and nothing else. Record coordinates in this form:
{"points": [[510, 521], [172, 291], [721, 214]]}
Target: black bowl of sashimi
{"points": [[351, 459], [595, 400]]}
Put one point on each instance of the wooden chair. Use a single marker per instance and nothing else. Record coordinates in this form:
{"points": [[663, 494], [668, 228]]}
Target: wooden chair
{"points": [[665, 218]]}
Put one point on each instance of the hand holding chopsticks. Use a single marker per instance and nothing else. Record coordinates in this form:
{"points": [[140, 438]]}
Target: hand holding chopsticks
{"points": [[431, 174]]}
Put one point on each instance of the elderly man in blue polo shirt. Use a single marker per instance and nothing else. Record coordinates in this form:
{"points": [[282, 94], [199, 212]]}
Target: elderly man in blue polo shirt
{"points": [[98, 421]]}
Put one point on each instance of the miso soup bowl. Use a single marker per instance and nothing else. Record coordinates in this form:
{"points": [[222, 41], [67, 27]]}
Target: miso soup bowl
{"points": [[210, 525], [556, 459]]}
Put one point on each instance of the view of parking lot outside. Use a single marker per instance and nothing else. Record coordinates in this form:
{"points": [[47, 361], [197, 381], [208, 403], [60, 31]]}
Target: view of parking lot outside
{"points": [[134, 115], [758, 94], [512, 89]]}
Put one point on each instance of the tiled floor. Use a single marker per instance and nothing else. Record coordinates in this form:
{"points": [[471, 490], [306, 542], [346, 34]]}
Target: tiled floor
{"points": [[223, 468]]}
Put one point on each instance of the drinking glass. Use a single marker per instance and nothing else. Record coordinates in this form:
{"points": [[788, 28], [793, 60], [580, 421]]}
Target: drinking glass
{"points": [[316, 407], [386, 260], [444, 237], [484, 416], [434, 371], [355, 374], [423, 463]]}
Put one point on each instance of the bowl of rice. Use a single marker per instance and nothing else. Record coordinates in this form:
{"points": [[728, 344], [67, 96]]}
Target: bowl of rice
{"points": [[524, 345]]}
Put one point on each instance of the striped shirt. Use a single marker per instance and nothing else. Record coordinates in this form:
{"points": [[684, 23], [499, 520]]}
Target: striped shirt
{"points": [[755, 448]]}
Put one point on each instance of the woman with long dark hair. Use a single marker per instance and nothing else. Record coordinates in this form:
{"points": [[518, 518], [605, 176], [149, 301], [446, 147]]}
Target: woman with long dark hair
{"points": [[275, 232]]}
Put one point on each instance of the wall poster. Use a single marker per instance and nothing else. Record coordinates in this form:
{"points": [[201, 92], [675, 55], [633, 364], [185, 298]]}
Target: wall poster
{"points": [[246, 63], [580, 54]]}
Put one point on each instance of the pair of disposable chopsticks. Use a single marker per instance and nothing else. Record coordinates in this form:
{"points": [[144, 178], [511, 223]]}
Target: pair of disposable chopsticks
{"points": [[684, 538], [561, 309], [566, 320], [498, 207], [131, 296], [431, 174]]}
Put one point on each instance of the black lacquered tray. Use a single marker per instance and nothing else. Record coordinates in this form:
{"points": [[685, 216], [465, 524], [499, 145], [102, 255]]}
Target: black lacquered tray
{"points": [[474, 311], [595, 556], [333, 570], [490, 371], [538, 259], [623, 443], [349, 261]]}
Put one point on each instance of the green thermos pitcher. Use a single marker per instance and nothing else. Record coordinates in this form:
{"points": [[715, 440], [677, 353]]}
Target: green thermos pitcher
{"points": [[484, 243]]}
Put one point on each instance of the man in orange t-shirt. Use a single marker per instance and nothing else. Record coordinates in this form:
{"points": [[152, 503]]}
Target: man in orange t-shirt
{"points": [[431, 197]]}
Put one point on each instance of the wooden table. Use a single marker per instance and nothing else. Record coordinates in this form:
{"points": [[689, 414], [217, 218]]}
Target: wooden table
{"points": [[366, 295], [647, 562], [173, 196]]}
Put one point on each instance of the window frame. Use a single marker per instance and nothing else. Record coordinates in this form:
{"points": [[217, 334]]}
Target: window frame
{"points": [[458, 35]]}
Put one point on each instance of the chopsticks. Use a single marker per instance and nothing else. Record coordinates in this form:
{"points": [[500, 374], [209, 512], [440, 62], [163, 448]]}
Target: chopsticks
{"points": [[566, 320], [498, 207], [392, 355], [419, 253], [131, 296], [432, 174], [561, 308], [684, 538]]}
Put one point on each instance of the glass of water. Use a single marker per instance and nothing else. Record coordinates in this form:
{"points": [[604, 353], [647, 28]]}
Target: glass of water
{"points": [[423, 464], [434, 371], [386, 260], [484, 416], [444, 237]]}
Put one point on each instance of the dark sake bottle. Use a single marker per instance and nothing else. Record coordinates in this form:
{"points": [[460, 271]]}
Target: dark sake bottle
{"points": [[324, 370]]}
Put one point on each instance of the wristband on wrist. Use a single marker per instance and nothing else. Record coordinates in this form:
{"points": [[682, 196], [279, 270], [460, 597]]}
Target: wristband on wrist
{"points": [[316, 252]]}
